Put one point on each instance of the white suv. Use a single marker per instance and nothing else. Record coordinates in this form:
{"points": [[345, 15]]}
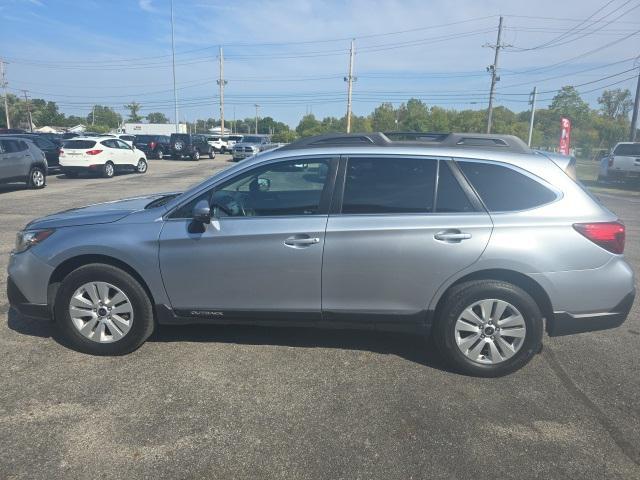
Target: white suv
{"points": [[100, 155]]}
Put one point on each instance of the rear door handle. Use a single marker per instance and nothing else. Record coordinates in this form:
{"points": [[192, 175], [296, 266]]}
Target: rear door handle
{"points": [[298, 241], [456, 236]]}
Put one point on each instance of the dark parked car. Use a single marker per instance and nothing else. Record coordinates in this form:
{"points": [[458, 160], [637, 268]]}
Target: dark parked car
{"points": [[22, 161], [190, 145], [51, 150], [154, 146]]}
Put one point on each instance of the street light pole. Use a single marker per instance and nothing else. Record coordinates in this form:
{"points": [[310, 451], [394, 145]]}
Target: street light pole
{"points": [[533, 113], [173, 66], [257, 106]]}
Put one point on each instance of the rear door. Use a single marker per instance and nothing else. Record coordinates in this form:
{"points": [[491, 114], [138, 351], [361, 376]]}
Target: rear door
{"points": [[401, 226], [16, 159]]}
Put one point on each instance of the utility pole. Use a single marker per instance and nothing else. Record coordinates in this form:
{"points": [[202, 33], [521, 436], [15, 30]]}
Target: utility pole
{"points": [[493, 69], [350, 79], [257, 106], [532, 101], [634, 118], [3, 84], [26, 99], [222, 82], [234, 129], [173, 65]]}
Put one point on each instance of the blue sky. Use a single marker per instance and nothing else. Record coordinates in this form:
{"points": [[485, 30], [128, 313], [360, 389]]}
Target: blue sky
{"points": [[291, 57]]}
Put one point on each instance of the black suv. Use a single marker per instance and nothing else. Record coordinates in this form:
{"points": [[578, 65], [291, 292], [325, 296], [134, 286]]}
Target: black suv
{"points": [[51, 149], [154, 146], [190, 145]]}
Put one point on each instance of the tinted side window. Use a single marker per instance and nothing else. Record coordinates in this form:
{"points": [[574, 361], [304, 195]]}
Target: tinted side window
{"points": [[503, 189], [451, 197], [389, 185], [22, 146]]}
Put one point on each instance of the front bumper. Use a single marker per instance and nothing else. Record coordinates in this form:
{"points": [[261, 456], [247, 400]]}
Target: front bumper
{"points": [[18, 301], [565, 323]]}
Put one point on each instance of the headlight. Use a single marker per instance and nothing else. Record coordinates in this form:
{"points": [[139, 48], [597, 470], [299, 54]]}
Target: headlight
{"points": [[27, 239]]}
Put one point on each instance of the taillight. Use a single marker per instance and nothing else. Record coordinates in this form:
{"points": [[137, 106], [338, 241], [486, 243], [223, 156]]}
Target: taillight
{"points": [[61, 152], [609, 235], [152, 144], [610, 161], [93, 152]]}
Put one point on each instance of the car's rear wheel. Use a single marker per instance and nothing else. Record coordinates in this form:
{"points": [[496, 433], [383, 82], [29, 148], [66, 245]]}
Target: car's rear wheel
{"points": [[195, 155], [108, 170], [142, 166], [37, 178], [71, 174], [488, 328], [159, 154], [212, 154], [102, 310]]}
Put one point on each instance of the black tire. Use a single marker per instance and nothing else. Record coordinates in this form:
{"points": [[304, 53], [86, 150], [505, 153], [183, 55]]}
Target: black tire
{"points": [[159, 154], [212, 154], [71, 174], [108, 170], [141, 327], [465, 294], [37, 178], [195, 156]]}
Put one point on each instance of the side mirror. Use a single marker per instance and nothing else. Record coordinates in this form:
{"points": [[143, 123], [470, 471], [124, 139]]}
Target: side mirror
{"points": [[202, 212]]}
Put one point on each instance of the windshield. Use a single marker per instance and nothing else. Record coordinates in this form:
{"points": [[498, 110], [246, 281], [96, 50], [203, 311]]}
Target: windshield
{"points": [[179, 136], [252, 139], [628, 149], [144, 138]]}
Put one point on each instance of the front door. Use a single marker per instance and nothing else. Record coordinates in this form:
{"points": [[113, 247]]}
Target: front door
{"points": [[393, 241], [261, 256], [13, 164]]}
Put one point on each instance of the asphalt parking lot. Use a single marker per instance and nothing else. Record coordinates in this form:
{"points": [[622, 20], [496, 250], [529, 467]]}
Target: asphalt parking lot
{"points": [[249, 402]]}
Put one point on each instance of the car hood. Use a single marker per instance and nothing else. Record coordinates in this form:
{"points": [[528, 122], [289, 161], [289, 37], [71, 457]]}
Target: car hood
{"points": [[93, 214]]}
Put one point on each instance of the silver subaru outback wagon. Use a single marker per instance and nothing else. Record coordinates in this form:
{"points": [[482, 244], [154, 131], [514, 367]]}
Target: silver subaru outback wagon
{"points": [[474, 240]]}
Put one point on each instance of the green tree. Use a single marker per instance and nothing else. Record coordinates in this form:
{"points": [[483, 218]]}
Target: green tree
{"points": [[384, 118], [616, 103], [134, 108], [104, 116], [157, 117], [414, 116], [568, 103]]}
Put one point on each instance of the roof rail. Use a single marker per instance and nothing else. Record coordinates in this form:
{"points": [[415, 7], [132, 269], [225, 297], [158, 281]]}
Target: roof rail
{"points": [[507, 143]]}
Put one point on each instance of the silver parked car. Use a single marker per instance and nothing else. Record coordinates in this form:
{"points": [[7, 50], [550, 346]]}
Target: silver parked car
{"points": [[473, 239], [22, 161]]}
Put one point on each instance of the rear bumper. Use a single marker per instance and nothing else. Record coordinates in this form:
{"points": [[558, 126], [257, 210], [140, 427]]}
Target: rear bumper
{"points": [[18, 301], [565, 323]]}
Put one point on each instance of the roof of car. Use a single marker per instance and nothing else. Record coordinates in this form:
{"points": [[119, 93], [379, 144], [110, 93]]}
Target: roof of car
{"points": [[504, 143]]}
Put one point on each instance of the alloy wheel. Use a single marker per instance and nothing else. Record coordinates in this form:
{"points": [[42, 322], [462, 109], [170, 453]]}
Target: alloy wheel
{"points": [[142, 166], [101, 312], [490, 331]]}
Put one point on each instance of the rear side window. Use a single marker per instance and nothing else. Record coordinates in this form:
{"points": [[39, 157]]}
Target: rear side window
{"points": [[628, 149], [389, 185], [79, 144], [451, 198], [503, 189], [43, 143]]}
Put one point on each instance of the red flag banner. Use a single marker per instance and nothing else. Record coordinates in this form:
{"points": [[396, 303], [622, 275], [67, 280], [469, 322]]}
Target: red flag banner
{"points": [[565, 136]]}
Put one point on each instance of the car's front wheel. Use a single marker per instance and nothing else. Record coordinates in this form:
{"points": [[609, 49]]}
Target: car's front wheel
{"points": [[159, 154], [212, 153], [142, 166], [102, 310], [195, 155], [488, 328]]}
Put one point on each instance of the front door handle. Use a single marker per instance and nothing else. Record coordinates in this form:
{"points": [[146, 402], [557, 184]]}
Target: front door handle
{"points": [[298, 241], [452, 236]]}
